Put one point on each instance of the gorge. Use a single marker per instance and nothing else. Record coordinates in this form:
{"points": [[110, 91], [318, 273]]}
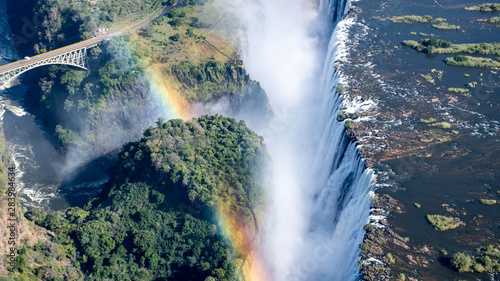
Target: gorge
{"points": [[320, 82]]}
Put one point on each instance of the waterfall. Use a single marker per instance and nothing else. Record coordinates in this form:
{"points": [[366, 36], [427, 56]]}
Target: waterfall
{"points": [[341, 205], [319, 197]]}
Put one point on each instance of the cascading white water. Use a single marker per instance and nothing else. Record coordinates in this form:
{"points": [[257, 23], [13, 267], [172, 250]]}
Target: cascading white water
{"points": [[320, 195]]}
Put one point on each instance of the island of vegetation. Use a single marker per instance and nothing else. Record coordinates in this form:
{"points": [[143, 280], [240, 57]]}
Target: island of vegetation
{"points": [[438, 23], [485, 259], [443, 223], [487, 7], [469, 61], [439, 46]]}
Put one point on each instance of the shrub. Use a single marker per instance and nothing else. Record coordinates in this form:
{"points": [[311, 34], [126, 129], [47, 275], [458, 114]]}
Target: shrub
{"points": [[175, 37], [36, 215], [437, 43], [443, 223], [446, 26], [458, 90], [488, 201], [176, 22], [442, 125], [428, 78], [390, 258]]}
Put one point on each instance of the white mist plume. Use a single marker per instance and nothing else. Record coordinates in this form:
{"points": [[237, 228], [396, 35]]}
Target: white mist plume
{"points": [[319, 196], [279, 52]]}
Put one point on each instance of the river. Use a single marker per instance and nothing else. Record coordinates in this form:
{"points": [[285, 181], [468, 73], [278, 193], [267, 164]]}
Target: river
{"points": [[39, 163]]}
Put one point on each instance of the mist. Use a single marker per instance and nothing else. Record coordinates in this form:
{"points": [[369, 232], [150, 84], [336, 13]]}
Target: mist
{"points": [[281, 52], [319, 193]]}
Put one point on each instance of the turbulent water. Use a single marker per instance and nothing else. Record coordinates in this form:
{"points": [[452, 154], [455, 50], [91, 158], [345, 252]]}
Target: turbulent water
{"points": [[40, 182], [320, 194]]}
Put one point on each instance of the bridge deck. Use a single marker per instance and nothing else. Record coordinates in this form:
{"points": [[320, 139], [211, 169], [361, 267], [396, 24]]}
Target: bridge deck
{"points": [[56, 52]]}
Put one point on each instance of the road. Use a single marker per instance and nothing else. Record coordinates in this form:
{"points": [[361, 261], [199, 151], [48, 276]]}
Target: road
{"points": [[132, 28]]}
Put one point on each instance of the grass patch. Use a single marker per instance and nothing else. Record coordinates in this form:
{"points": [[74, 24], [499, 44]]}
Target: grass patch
{"points": [[443, 223], [461, 91], [428, 78], [446, 26], [468, 61], [390, 258], [427, 121], [488, 201], [439, 73], [471, 85], [442, 125], [443, 139]]}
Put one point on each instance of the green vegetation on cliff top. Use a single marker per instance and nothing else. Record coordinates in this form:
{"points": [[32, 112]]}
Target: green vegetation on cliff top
{"points": [[156, 217], [190, 49]]}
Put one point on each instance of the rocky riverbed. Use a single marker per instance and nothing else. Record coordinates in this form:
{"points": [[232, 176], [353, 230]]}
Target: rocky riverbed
{"points": [[430, 132]]}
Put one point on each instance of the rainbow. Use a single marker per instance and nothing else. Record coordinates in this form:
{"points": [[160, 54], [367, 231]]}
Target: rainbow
{"points": [[243, 238], [245, 241], [171, 100]]}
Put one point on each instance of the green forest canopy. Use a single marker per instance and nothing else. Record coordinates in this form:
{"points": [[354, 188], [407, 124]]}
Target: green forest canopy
{"points": [[155, 217]]}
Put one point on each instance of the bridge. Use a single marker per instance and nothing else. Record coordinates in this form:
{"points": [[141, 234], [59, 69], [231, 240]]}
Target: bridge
{"points": [[70, 55], [75, 54]]}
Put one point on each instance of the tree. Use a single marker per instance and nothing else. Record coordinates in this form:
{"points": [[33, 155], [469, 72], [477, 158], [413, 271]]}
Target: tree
{"points": [[68, 105], [95, 52], [160, 121], [462, 262]]}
